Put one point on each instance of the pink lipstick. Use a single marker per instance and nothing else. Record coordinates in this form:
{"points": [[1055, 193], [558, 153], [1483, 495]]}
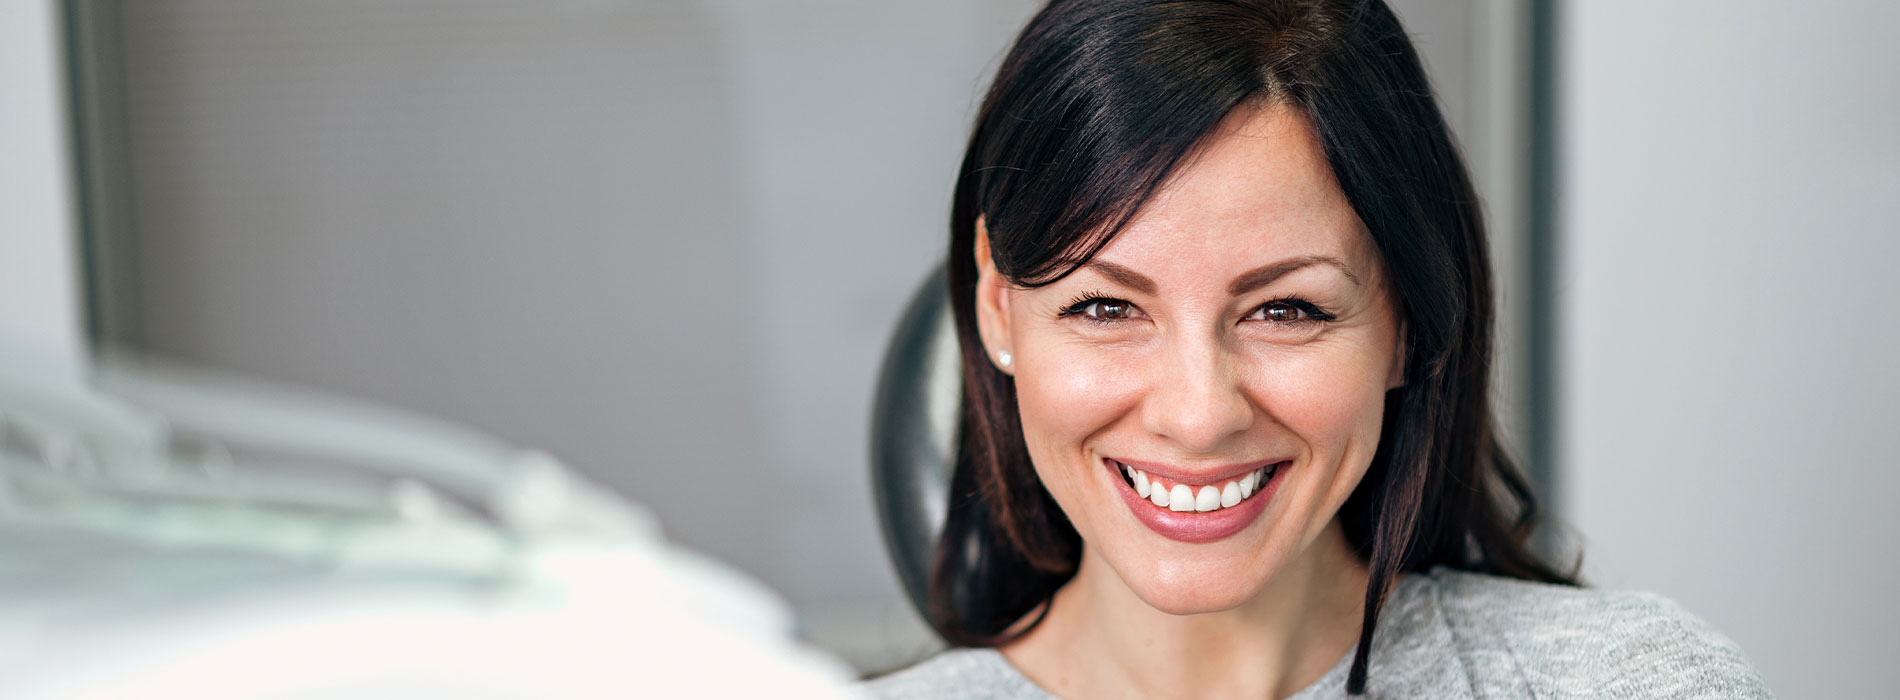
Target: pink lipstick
{"points": [[1191, 525]]}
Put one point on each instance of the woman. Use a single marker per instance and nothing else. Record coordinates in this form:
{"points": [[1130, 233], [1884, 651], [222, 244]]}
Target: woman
{"points": [[1221, 286]]}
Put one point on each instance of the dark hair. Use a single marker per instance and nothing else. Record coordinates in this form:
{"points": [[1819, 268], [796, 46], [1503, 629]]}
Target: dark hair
{"points": [[1093, 108]]}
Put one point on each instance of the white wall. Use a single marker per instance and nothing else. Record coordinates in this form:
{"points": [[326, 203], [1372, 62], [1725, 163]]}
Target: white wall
{"points": [[1730, 390], [39, 292]]}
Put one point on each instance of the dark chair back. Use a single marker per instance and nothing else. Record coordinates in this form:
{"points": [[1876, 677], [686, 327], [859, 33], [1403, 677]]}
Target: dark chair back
{"points": [[913, 433]]}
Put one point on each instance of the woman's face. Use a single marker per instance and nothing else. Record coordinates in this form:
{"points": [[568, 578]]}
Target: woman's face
{"points": [[1234, 344]]}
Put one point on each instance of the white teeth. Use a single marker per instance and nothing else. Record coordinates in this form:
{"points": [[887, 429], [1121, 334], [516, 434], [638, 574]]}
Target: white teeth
{"points": [[1181, 498], [1208, 499], [1185, 498]]}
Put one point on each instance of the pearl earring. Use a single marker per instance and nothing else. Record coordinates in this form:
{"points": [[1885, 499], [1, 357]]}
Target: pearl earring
{"points": [[1003, 358]]}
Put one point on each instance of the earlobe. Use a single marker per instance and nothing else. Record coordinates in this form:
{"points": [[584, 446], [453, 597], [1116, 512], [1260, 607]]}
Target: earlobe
{"points": [[992, 304]]}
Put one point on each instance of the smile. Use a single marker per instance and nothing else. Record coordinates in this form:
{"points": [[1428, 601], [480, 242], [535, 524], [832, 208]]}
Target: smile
{"points": [[1182, 498], [1195, 511]]}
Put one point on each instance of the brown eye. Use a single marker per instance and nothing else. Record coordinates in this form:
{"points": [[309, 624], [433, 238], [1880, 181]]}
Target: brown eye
{"points": [[1111, 310], [1101, 310], [1282, 313], [1290, 312]]}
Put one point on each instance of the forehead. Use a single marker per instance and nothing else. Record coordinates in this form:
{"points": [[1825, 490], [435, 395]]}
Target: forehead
{"points": [[1257, 191]]}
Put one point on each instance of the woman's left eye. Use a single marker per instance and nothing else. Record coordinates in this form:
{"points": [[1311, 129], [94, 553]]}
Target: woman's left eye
{"points": [[1289, 312]]}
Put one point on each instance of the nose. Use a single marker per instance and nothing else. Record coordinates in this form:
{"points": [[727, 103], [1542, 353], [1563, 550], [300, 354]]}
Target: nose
{"points": [[1196, 398]]}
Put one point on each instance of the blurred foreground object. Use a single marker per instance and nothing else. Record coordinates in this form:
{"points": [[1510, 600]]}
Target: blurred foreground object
{"points": [[170, 535]]}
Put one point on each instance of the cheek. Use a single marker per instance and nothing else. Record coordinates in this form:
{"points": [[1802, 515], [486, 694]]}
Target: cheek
{"points": [[1334, 402], [1320, 397], [1066, 394]]}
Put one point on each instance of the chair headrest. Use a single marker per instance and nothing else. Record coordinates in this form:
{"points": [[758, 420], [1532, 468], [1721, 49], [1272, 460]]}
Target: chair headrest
{"points": [[913, 433]]}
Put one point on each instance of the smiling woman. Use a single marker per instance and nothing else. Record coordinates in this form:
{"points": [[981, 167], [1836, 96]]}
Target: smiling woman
{"points": [[1221, 286], [1237, 328]]}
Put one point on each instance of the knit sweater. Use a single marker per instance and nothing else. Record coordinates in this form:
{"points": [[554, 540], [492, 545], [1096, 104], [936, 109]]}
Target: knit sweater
{"points": [[1451, 634]]}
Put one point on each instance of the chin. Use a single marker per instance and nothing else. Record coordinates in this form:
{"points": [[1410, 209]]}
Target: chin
{"points": [[1175, 601], [1195, 587]]}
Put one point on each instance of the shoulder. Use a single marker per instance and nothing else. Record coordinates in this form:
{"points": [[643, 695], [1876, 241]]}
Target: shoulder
{"points": [[1566, 641], [957, 673]]}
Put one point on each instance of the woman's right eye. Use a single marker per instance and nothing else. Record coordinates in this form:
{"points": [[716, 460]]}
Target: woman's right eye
{"points": [[1101, 309]]}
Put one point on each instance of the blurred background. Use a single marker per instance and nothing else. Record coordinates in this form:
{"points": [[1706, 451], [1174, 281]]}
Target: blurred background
{"points": [[667, 241]]}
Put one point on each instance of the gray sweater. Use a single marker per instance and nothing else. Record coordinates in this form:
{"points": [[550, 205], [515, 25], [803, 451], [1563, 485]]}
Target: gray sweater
{"points": [[1449, 634]]}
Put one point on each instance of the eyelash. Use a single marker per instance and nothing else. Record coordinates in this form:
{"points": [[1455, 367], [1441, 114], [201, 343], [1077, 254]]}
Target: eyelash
{"points": [[1076, 307]]}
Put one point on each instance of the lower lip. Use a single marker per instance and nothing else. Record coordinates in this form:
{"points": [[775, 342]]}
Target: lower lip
{"points": [[1195, 526]]}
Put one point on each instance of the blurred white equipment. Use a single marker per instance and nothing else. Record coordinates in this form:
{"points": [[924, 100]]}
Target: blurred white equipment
{"points": [[163, 535]]}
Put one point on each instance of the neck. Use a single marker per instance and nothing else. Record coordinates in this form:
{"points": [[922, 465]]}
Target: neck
{"points": [[1101, 640]]}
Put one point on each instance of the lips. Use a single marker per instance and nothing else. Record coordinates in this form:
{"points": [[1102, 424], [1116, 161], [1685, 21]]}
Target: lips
{"points": [[1196, 510]]}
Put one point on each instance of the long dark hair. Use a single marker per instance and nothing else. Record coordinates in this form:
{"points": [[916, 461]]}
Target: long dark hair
{"points": [[1096, 104]]}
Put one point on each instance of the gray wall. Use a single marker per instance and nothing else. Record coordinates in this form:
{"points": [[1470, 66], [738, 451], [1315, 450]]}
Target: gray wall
{"points": [[1729, 317], [663, 240]]}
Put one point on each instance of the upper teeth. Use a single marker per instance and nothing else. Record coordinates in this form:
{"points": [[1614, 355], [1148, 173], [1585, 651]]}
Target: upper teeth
{"points": [[1186, 498]]}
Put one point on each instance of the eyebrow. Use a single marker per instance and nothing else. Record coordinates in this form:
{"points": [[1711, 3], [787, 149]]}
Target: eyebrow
{"points": [[1124, 276], [1266, 274], [1246, 282]]}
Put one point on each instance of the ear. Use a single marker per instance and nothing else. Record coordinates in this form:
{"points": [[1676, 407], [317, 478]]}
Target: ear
{"points": [[1395, 375], [992, 301]]}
